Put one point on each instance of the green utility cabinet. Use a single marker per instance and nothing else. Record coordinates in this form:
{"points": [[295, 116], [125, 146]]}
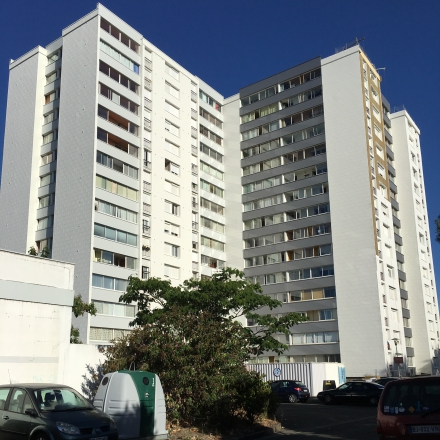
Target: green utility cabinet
{"points": [[136, 402]]}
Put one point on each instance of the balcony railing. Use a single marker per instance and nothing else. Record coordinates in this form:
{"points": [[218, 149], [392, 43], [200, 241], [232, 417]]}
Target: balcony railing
{"points": [[195, 206], [148, 84], [148, 64], [147, 124], [194, 187], [193, 96], [194, 132], [146, 230], [147, 143], [148, 104], [147, 165], [195, 265], [147, 187], [194, 150], [194, 169], [195, 226], [194, 114], [147, 209]]}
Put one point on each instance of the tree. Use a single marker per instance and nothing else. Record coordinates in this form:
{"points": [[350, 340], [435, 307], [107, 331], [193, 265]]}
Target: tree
{"points": [[78, 309], [190, 337], [32, 251], [437, 231]]}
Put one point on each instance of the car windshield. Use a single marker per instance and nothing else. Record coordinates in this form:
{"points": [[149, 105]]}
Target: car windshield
{"points": [[300, 384], [60, 399], [411, 398]]}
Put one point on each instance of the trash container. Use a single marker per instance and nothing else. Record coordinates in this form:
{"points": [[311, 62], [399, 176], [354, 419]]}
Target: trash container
{"points": [[136, 402]]}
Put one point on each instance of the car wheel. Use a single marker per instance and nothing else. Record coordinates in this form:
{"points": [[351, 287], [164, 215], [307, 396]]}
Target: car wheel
{"points": [[40, 436], [373, 401], [293, 398], [328, 399]]}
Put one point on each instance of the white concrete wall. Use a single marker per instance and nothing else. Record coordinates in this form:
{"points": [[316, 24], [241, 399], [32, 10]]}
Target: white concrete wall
{"points": [[357, 292]]}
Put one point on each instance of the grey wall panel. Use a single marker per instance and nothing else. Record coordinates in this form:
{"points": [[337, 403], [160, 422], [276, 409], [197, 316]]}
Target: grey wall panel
{"points": [[314, 63], [17, 154], [76, 157], [296, 350], [300, 285]]}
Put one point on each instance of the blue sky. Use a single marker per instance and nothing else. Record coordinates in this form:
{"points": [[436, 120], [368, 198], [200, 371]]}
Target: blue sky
{"points": [[232, 43]]}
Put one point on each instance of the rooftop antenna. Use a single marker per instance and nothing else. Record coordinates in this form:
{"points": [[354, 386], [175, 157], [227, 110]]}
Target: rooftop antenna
{"points": [[355, 42]]}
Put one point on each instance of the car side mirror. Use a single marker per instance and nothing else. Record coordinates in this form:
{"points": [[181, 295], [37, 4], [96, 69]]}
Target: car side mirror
{"points": [[31, 412]]}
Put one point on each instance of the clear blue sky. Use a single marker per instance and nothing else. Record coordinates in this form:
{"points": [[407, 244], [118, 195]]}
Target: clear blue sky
{"points": [[232, 43]]}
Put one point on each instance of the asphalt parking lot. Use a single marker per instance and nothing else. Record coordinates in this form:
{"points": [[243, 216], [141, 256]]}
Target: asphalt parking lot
{"points": [[315, 420]]}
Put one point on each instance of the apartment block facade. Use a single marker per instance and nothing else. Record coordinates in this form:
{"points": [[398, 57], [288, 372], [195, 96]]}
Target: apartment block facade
{"points": [[124, 163], [117, 164], [323, 229]]}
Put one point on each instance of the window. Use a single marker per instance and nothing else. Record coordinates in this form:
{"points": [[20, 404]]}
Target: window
{"points": [[212, 102], [172, 188], [48, 158], [314, 272], [44, 223], [49, 117], [172, 148], [117, 165], [211, 170], [118, 99], [211, 262], [145, 272], [172, 72], [53, 76], [314, 338], [172, 229], [213, 189], [390, 271], [211, 152], [54, 57], [311, 294], [112, 30], [110, 51], [211, 135], [171, 272], [49, 137], [44, 202], [172, 208], [116, 119], [115, 234], [47, 179], [172, 109], [172, 167], [51, 96], [107, 334], [211, 224], [118, 77], [116, 188], [173, 129], [299, 136], [213, 244], [114, 309], [116, 211], [117, 142], [172, 90], [212, 119], [106, 257], [211, 206], [145, 226], [172, 250]]}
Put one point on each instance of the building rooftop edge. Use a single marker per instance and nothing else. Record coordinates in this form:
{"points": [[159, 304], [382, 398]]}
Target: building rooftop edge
{"points": [[40, 258]]}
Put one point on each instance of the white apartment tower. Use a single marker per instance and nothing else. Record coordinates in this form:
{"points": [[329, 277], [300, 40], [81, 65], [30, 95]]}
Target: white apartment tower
{"points": [[124, 163], [115, 159]]}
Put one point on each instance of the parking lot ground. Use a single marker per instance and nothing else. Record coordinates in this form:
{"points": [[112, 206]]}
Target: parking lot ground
{"points": [[314, 420]]}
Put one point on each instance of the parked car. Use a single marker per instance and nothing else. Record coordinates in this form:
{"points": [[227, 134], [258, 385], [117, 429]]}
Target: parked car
{"points": [[51, 412], [410, 407], [384, 380], [290, 391], [353, 393]]}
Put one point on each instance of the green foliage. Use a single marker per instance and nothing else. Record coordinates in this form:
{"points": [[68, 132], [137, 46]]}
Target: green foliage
{"points": [[32, 251], [198, 349], [74, 335], [78, 309], [437, 229], [45, 252]]}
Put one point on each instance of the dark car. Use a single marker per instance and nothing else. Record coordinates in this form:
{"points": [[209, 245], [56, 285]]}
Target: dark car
{"points": [[384, 380], [353, 393], [410, 408], [290, 390], [51, 412]]}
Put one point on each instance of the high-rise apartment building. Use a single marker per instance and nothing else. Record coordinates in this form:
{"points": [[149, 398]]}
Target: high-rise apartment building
{"points": [[115, 159], [124, 163], [335, 220]]}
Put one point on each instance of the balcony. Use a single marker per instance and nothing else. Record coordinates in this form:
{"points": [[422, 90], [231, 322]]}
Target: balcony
{"points": [[146, 231], [194, 132], [117, 142], [115, 119], [195, 265], [147, 165], [193, 96], [147, 209], [393, 187], [148, 84], [147, 187], [147, 144], [194, 114], [147, 124], [391, 170], [195, 206], [194, 169], [148, 64], [195, 226], [194, 187], [195, 246], [194, 150], [148, 104], [387, 120], [388, 136]]}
